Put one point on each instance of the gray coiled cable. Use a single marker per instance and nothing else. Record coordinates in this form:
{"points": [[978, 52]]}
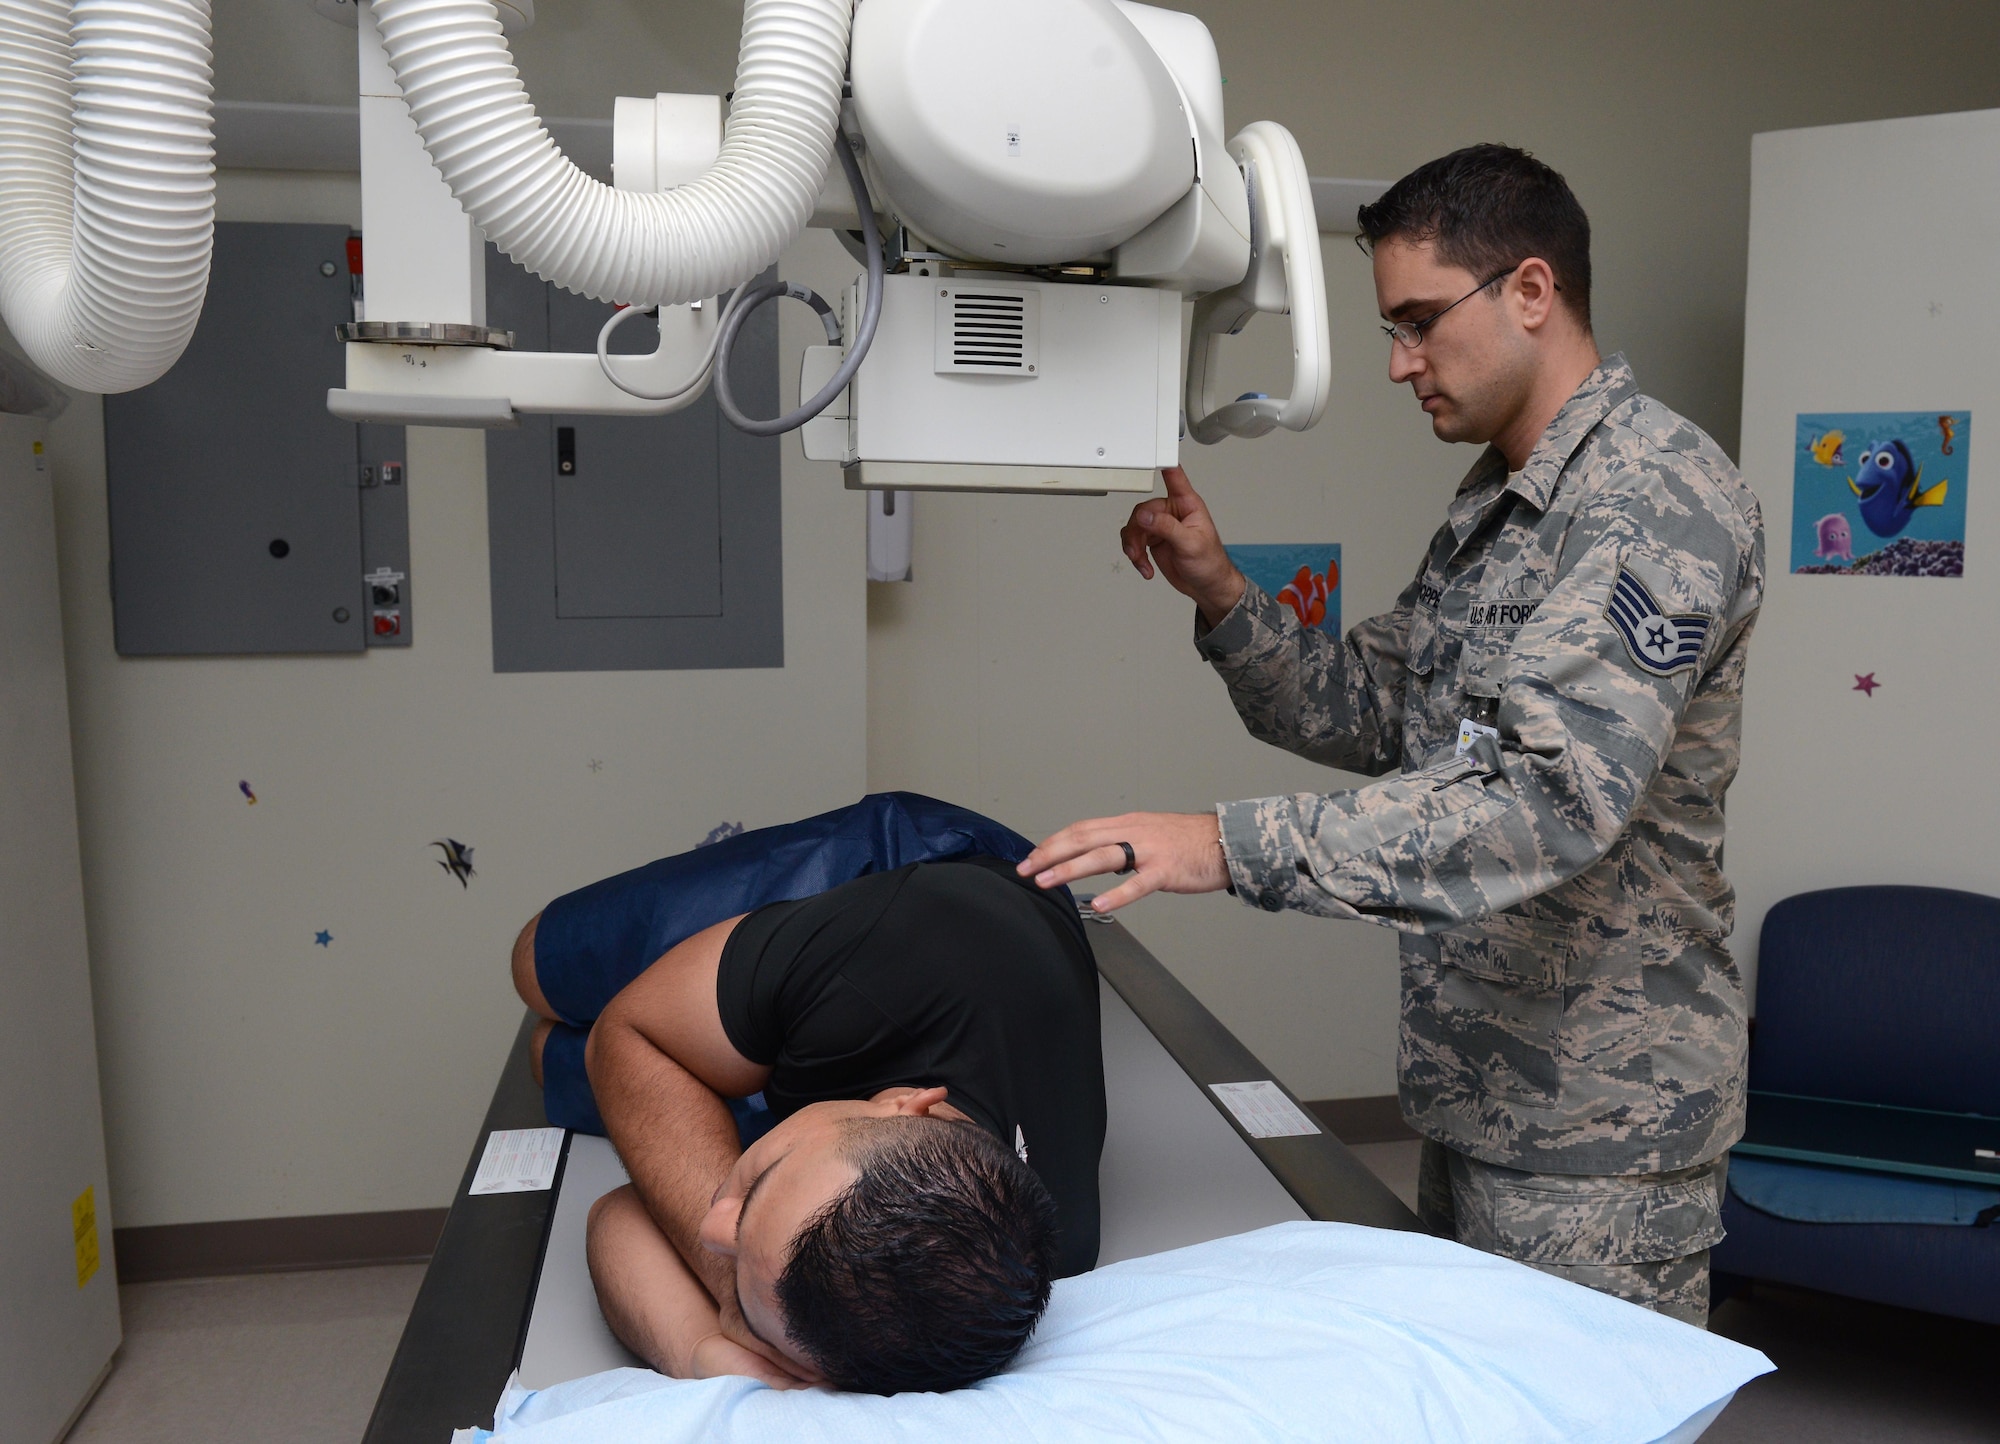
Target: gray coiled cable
{"points": [[750, 298]]}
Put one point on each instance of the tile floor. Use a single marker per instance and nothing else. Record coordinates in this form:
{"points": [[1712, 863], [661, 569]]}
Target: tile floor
{"points": [[297, 1359], [284, 1358], [1856, 1373]]}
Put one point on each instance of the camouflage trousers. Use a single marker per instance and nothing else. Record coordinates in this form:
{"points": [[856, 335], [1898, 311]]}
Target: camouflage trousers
{"points": [[1643, 1238]]}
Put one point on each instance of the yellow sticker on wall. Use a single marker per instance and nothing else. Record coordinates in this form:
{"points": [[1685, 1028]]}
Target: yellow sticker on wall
{"points": [[83, 1220]]}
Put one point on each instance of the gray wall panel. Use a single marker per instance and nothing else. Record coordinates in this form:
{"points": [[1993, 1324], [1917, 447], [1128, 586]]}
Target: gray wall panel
{"points": [[231, 459], [637, 519]]}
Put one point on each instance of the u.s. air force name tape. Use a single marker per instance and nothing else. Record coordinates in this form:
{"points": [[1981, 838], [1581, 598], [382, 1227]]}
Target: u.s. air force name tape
{"points": [[1500, 614]]}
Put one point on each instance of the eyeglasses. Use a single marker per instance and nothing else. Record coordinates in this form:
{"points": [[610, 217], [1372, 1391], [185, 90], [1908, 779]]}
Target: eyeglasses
{"points": [[1411, 333]]}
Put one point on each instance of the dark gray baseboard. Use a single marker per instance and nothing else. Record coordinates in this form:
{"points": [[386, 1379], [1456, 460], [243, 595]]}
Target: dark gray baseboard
{"points": [[1364, 1120], [275, 1245], [350, 1240]]}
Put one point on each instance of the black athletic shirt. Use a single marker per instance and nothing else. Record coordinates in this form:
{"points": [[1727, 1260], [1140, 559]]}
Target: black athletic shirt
{"points": [[954, 973]]}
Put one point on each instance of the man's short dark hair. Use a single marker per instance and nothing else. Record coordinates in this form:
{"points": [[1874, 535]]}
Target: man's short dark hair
{"points": [[931, 1270], [1486, 208]]}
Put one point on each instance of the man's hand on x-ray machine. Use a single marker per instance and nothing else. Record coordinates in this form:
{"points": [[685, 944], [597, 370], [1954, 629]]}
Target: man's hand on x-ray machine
{"points": [[1171, 852], [1176, 535]]}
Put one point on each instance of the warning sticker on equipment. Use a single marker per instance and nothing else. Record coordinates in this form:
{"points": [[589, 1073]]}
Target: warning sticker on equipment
{"points": [[83, 1222], [1263, 1109]]}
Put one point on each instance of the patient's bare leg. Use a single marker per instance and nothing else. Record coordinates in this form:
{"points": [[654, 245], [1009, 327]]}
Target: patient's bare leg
{"points": [[530, 989], [536, 1042], [525, 981]]}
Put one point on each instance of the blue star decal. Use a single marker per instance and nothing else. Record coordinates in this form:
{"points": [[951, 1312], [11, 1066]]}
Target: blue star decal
{"points": [[322, 938]]}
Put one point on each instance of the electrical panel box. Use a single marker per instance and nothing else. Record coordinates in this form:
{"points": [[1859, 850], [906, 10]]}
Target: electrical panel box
{"points": [[244, 517], [632, 543]]}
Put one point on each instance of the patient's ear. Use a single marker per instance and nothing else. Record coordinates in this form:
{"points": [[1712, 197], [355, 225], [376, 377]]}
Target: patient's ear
{"points": [[718, 1225], [919, 1103]]}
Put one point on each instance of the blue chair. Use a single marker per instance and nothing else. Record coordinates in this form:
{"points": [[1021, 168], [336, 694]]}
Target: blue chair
{"points": [[1887, 996]]}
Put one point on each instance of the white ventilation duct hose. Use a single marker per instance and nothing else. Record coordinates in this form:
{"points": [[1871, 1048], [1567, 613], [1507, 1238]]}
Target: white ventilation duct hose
{"points": [[648, 249], [107, 184]]}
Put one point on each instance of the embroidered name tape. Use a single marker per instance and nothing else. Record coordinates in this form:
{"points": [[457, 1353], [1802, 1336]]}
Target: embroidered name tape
{"points": [[1660, 644], [1499, 614]]}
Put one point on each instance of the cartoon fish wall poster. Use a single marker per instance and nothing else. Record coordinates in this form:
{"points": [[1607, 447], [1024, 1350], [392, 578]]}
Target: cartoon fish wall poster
{"points": [[1302, 577], [1880, 493]]}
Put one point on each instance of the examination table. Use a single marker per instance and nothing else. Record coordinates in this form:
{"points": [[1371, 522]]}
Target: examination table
{"points": [[508, 1288]]}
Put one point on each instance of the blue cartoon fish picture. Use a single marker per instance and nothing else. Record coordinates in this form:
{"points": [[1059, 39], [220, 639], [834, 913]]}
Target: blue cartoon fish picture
{"points": [[1893, 506], [1891, 488]]}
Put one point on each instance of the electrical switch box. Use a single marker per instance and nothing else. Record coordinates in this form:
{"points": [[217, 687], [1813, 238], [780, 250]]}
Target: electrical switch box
{"points": [[244, 517]]}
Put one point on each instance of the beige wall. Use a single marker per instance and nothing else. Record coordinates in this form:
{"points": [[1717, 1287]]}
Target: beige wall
{"points": [[1841, 788], [249, 1073], [1026, 668]]}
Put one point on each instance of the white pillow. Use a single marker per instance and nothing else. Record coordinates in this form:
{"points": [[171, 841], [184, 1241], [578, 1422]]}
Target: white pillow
{"points": [[1307, 1331]]}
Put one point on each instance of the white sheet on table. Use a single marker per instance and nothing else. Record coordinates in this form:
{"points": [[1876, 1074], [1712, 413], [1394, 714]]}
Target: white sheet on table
{"points": [[1305, 1331]]}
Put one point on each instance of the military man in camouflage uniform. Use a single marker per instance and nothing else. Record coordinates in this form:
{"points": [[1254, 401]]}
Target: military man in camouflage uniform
{"points": [[1559, 691]]}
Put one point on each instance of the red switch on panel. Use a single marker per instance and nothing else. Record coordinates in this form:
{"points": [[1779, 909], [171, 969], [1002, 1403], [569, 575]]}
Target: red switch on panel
{"points": [[389, 624]]}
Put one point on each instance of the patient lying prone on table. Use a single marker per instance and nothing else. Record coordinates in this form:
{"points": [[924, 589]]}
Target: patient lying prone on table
{"points": [[928, 1040]]}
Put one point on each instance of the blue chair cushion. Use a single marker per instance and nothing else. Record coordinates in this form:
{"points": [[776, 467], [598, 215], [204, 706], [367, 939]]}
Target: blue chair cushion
{"points": [[1808, 1193], [1941, 1269]]}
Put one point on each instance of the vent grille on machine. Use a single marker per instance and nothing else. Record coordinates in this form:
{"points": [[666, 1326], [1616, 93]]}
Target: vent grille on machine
{"points": [[988, 331], [989, 328]]}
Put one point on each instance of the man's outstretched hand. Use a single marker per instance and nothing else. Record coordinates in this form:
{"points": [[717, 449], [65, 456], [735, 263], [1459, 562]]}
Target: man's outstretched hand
{"points": [[1175, 535], [1175, 852]]}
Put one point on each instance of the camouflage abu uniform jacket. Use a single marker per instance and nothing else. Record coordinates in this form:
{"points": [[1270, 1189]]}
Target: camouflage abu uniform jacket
{"points": [[1569, 1004]]}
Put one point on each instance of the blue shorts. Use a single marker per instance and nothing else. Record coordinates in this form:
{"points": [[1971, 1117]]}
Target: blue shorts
{"points": [[592, 942]]}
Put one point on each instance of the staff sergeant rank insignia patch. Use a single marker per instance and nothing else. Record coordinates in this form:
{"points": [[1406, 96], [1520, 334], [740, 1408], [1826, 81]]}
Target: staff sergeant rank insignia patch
{"points": [[1660, 644]]}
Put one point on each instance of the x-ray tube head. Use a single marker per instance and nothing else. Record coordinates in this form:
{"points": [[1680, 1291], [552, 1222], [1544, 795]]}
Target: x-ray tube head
{"points": [[1030, 132]]}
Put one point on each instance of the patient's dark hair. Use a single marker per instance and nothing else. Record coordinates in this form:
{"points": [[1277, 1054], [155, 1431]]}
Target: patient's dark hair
{"points": [[1485, 208], [931, 1270]]}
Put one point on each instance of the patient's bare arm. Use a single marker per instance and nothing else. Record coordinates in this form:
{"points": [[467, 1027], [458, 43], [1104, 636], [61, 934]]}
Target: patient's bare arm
{"points": [[675, 1135], [656, 1305], [659, 1063]]}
